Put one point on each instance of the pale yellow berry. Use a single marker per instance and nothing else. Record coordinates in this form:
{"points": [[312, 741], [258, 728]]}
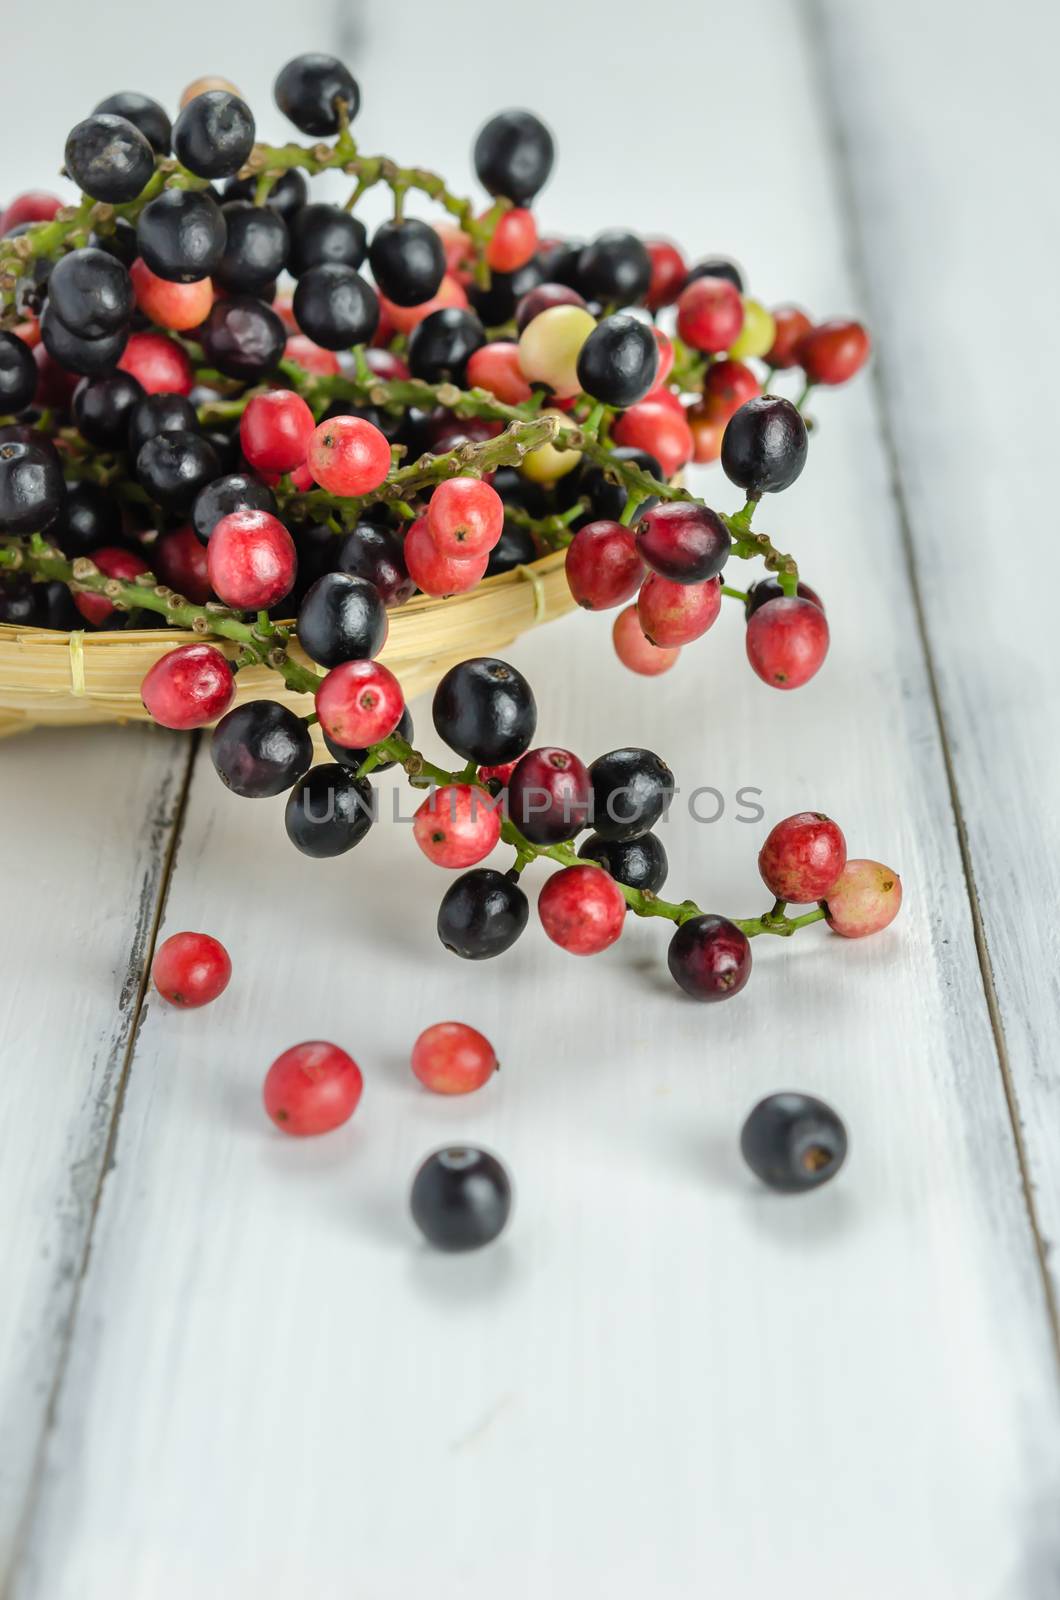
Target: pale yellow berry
{"points": [[546, 463], [756, 336], [549, 347]]}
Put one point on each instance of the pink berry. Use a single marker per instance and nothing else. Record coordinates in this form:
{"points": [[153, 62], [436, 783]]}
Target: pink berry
{"points": [[668, 273], [653, 425], [189, 687], [683, 541], [635, 651], [495, 367], [603, 565], [312, 1088], [458, 825], [311, 357], [179, 559], [676, 613], [35, 205], [709, 314], [451, 1058], [348, 456], [803, 857], [178, 306], [158, 364], [513, 241], [275, 430], [113, 562], [787, 640], [582, 909], [866, 898], [465, 517], [435, 572], [191, 969], [359, 703], [251, 560], [549, 795]]}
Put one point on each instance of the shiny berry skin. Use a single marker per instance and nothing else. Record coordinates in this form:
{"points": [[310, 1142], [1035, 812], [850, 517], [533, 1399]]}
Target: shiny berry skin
{"points": [[655, 427], [101, 408], [619, 361], [92, 357], [684, 542], [341, 619], [179, 560], [348, 456], [375, 554], [485, 710], [677, 613], [173, 467], [834, 351], [793, 1142], [727, 386], [787, 641], [275, 429], [335, 306], [457, 825], [767, 589], [717, 267], [256, 247], [113, 562], [442, 344], [709, 958], [181, 235], [310, 90], [582, 909], [865, 898], [312, 1088], [214, 134], [176, 306], [252, 560], [325, 235], [631, 790], [359, 703], [235, 491], [482, 914], [603, 565], [638, 863], [615, 269], [157, 364], [461, 1198], [543, 298], [465, 517], [764, 446], [329, 811], [707, 434], [243, 338], [31, 487], [407, 261], [91, 293], [191, 969], [513, 241], [90, 518], [802, 857], [495, 367], [32, 206], [668, 273], [109, 158], [513, 156], [709, 314], [452, 1058], [159, 413], [144, 113], [550, 346], [434, 572], [260, 749], [549, 796], [790, 327], [189, 687], [637, 652]]}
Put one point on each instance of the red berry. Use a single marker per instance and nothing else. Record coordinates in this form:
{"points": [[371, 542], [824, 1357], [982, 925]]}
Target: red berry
{"points": [[434, 572], [465, 517], [668, 273], [386, 365], [113, 562], [866, 898], [189, 687], [451, 1058], [666, 360], [402, 319], [653, 426], [312, 1088], [456, 244], [191, 969], [513, 242], [549, 795], [457, 825], [710, 958], [158, 364], [496, 367], [676, 613], [726, 387], [311, 357], [32, 206], [802, 857], [498, 774], [834, 352], [359, 703], [179, 559], [582, 909], [275, 429], [603, 565], [178, 306], [635, 651], [348, 456], [707, 434], [787, 640], [683, 541], [251, 560], [710, 314], [543, 298], [791, 327]]}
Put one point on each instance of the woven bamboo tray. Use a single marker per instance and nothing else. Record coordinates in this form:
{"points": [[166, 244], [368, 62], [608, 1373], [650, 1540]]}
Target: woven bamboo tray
{"points": [[68, 679]]}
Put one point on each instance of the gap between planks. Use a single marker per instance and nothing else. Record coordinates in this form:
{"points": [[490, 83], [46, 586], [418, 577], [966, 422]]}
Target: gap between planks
{"points": [[815, 26]]}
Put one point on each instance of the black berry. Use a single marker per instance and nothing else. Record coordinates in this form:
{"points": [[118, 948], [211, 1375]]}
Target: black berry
{"points": [[497, 304], [485, 710], [243, 338], [90, 519], [482, 914], [514, 548], [607, 498], [407, 261], [310, 89], [709, 958], [443, 343], [763, 448], [181, 235], [766, 589], [614, 269], [18, 374], [638, 863], [145, 114], [91, 293], [329, 811], [102, 407], [159, 413], [235, 491], [336, 307], [321, 234], [31, 487], [716, 267], [173, 467], [513, 155], [793, 1142], [461, 1198], [372, 552], [261, 749], [109, 158], [618, 361], [256, 246], [91, 357], [287, 195], [214, 134], [631, 791], [341, 619]]}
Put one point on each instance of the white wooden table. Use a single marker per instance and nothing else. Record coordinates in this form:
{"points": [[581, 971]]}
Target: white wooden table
{"points": [[227, 1366]]}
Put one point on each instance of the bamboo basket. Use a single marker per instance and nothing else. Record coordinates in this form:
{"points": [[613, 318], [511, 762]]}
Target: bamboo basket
{"points": [[70, 679]]}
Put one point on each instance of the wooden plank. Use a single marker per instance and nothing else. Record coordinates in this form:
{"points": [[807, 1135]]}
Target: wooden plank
{"points": [[89, 820], [972, 418]]}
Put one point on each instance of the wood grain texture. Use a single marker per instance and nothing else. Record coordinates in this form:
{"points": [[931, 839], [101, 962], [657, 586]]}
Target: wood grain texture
{"points": [[663, 1380]]}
